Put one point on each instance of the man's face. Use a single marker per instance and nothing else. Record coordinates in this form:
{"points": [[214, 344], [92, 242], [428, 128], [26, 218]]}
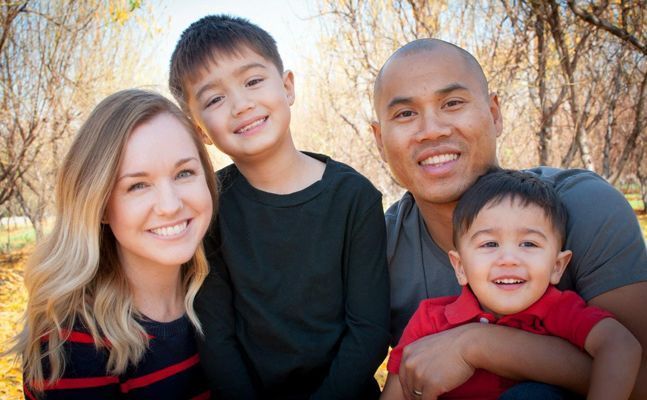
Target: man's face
{"points": [[437, 125]]}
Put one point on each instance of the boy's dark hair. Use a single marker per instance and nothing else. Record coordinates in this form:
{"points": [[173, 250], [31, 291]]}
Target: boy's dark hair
{"points": [[210, 36], [500, 184]]}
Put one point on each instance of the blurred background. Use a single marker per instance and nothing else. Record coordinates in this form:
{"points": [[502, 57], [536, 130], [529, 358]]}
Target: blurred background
{"points": [[571, 77]]}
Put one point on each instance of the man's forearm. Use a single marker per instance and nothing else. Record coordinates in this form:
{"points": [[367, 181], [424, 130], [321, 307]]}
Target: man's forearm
{"points": [[520, 355]]}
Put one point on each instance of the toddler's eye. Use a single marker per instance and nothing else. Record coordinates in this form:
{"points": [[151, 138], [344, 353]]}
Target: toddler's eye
{"points": [[528, 244], [490, 244]]}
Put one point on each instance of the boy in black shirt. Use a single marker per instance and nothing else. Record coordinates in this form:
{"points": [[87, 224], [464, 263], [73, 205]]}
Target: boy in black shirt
{"points": [[297, 301]]}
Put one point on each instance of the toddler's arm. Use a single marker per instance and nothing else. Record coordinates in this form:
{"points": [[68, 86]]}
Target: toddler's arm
{"points": [[616, 359]]}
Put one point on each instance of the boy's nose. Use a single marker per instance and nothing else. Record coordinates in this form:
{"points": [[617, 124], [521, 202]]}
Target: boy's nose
{"points": [[432, 128], [241, 105]]}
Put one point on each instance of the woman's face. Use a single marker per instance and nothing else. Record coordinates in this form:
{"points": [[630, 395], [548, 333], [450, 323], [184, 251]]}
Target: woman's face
{"points": [[160, 206]]}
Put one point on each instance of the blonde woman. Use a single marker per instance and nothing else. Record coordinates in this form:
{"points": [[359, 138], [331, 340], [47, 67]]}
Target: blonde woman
{"points": [[110, 311]]}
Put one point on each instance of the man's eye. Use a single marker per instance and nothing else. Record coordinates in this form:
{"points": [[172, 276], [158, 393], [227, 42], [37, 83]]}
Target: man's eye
{"points": [[405, 114], [453, 103]]}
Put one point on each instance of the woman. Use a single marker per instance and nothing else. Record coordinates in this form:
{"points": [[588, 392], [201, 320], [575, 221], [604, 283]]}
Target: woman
{"points": [[110, 311]]}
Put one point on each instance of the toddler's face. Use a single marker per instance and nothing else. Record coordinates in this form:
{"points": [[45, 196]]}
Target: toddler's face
{"points": [[509, 256]]}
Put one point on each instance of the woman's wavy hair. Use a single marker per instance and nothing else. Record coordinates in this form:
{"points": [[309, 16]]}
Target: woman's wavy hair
{"points": [[74, 277]]}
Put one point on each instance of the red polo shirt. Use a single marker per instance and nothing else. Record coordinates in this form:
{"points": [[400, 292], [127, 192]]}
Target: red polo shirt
{"points": [[556, 313]]}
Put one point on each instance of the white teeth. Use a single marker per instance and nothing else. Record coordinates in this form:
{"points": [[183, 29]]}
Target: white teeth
{"points": [[251, 126], [508, 281], [439, 159], [170, 230]]}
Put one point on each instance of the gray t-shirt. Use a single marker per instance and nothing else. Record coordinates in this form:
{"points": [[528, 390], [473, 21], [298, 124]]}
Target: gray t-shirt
{"points": [[602, 231]]}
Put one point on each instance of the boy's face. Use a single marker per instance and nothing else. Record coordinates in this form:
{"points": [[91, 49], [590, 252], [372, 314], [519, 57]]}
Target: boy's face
{"points": [[243, 105], [509, 256], [437, 125]]}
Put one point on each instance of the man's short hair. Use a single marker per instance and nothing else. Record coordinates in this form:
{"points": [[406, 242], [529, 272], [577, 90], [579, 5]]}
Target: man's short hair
{"points": [[500, 184], [210, 37]]}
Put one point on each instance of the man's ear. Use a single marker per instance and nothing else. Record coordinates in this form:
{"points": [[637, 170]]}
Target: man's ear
{"points": [[455, 259], [563, 258], [288, 84], [377, 134], [495, 110]]}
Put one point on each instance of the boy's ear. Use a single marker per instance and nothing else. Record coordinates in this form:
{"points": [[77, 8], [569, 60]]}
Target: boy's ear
{"points": [[455, 259], [563, 257], [288, 84], [377, 134]]}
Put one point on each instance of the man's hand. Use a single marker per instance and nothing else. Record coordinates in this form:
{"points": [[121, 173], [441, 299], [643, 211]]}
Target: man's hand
{"points": [[435, 364]]}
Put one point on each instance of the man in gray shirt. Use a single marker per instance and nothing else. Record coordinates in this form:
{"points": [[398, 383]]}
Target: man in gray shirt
{"points": [[437, 128]]}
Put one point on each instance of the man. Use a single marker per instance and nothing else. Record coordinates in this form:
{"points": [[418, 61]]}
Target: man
{"points": [[437, 128]]}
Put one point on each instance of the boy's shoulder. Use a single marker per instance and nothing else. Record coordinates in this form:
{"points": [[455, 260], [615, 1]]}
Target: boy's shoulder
{"points": [[337, 171]]}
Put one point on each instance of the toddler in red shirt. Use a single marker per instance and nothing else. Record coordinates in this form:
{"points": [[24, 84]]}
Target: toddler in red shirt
{"points": [[508, 231]]}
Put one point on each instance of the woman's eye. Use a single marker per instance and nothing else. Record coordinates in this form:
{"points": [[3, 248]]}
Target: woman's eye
{"points": [[185, 173], [136, 186]]}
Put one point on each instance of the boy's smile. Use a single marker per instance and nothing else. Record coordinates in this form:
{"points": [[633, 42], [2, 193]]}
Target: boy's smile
{"points": [[242, 103], [509, 256]]}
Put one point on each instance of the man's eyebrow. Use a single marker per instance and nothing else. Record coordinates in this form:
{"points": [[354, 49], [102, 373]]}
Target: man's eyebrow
{"points": [[450, 88], [398, 101], [440, 92]]}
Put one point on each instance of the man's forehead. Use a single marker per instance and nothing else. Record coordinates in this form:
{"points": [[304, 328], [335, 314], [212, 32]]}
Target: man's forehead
{"points": [[406, 66]]}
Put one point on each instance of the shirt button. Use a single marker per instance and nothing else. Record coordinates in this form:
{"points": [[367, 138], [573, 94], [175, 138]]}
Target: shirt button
{"points": [[484, 320]]}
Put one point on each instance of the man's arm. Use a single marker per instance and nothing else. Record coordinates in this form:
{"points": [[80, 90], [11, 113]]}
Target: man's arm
{"points": [[220, 353], [627, 305], [438, 363], [365, 341]]}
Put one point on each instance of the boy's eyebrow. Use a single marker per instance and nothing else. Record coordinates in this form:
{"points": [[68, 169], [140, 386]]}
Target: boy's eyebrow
{"points": [[140, 174], [240, 70], [440, 92]]}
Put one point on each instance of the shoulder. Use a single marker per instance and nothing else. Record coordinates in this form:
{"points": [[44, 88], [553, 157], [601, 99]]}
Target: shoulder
{"points": [[343, 174], [400, 210]]}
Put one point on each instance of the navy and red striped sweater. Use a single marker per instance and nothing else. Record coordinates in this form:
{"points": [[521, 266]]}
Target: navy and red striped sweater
{"points": [[170, 368]]}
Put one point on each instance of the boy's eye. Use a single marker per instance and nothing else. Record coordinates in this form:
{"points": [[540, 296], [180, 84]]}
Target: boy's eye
{"points": [[254, 82], [136, 186], [185, 173], [214, 100]]}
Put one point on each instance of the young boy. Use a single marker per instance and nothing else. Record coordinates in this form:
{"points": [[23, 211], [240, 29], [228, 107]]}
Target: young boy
{"points": [[508, 231], [297, 302]]}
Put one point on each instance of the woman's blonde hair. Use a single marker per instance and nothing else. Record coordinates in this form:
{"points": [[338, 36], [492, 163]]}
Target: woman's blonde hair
{"points": [[74, 277]]}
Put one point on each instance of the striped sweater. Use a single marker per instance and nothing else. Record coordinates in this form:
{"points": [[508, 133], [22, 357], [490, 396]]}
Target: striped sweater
{"points": [[170, 368]]}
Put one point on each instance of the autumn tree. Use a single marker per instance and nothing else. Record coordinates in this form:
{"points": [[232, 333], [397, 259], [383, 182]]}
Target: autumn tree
{"points": [[57, 59]]}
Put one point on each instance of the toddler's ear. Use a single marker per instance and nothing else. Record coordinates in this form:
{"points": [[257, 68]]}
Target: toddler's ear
{"points": [[563, 257], [455, 259]]}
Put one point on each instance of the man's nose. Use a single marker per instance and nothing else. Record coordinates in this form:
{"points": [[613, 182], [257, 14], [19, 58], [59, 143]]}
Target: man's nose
{"points": [[433, 127]]}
